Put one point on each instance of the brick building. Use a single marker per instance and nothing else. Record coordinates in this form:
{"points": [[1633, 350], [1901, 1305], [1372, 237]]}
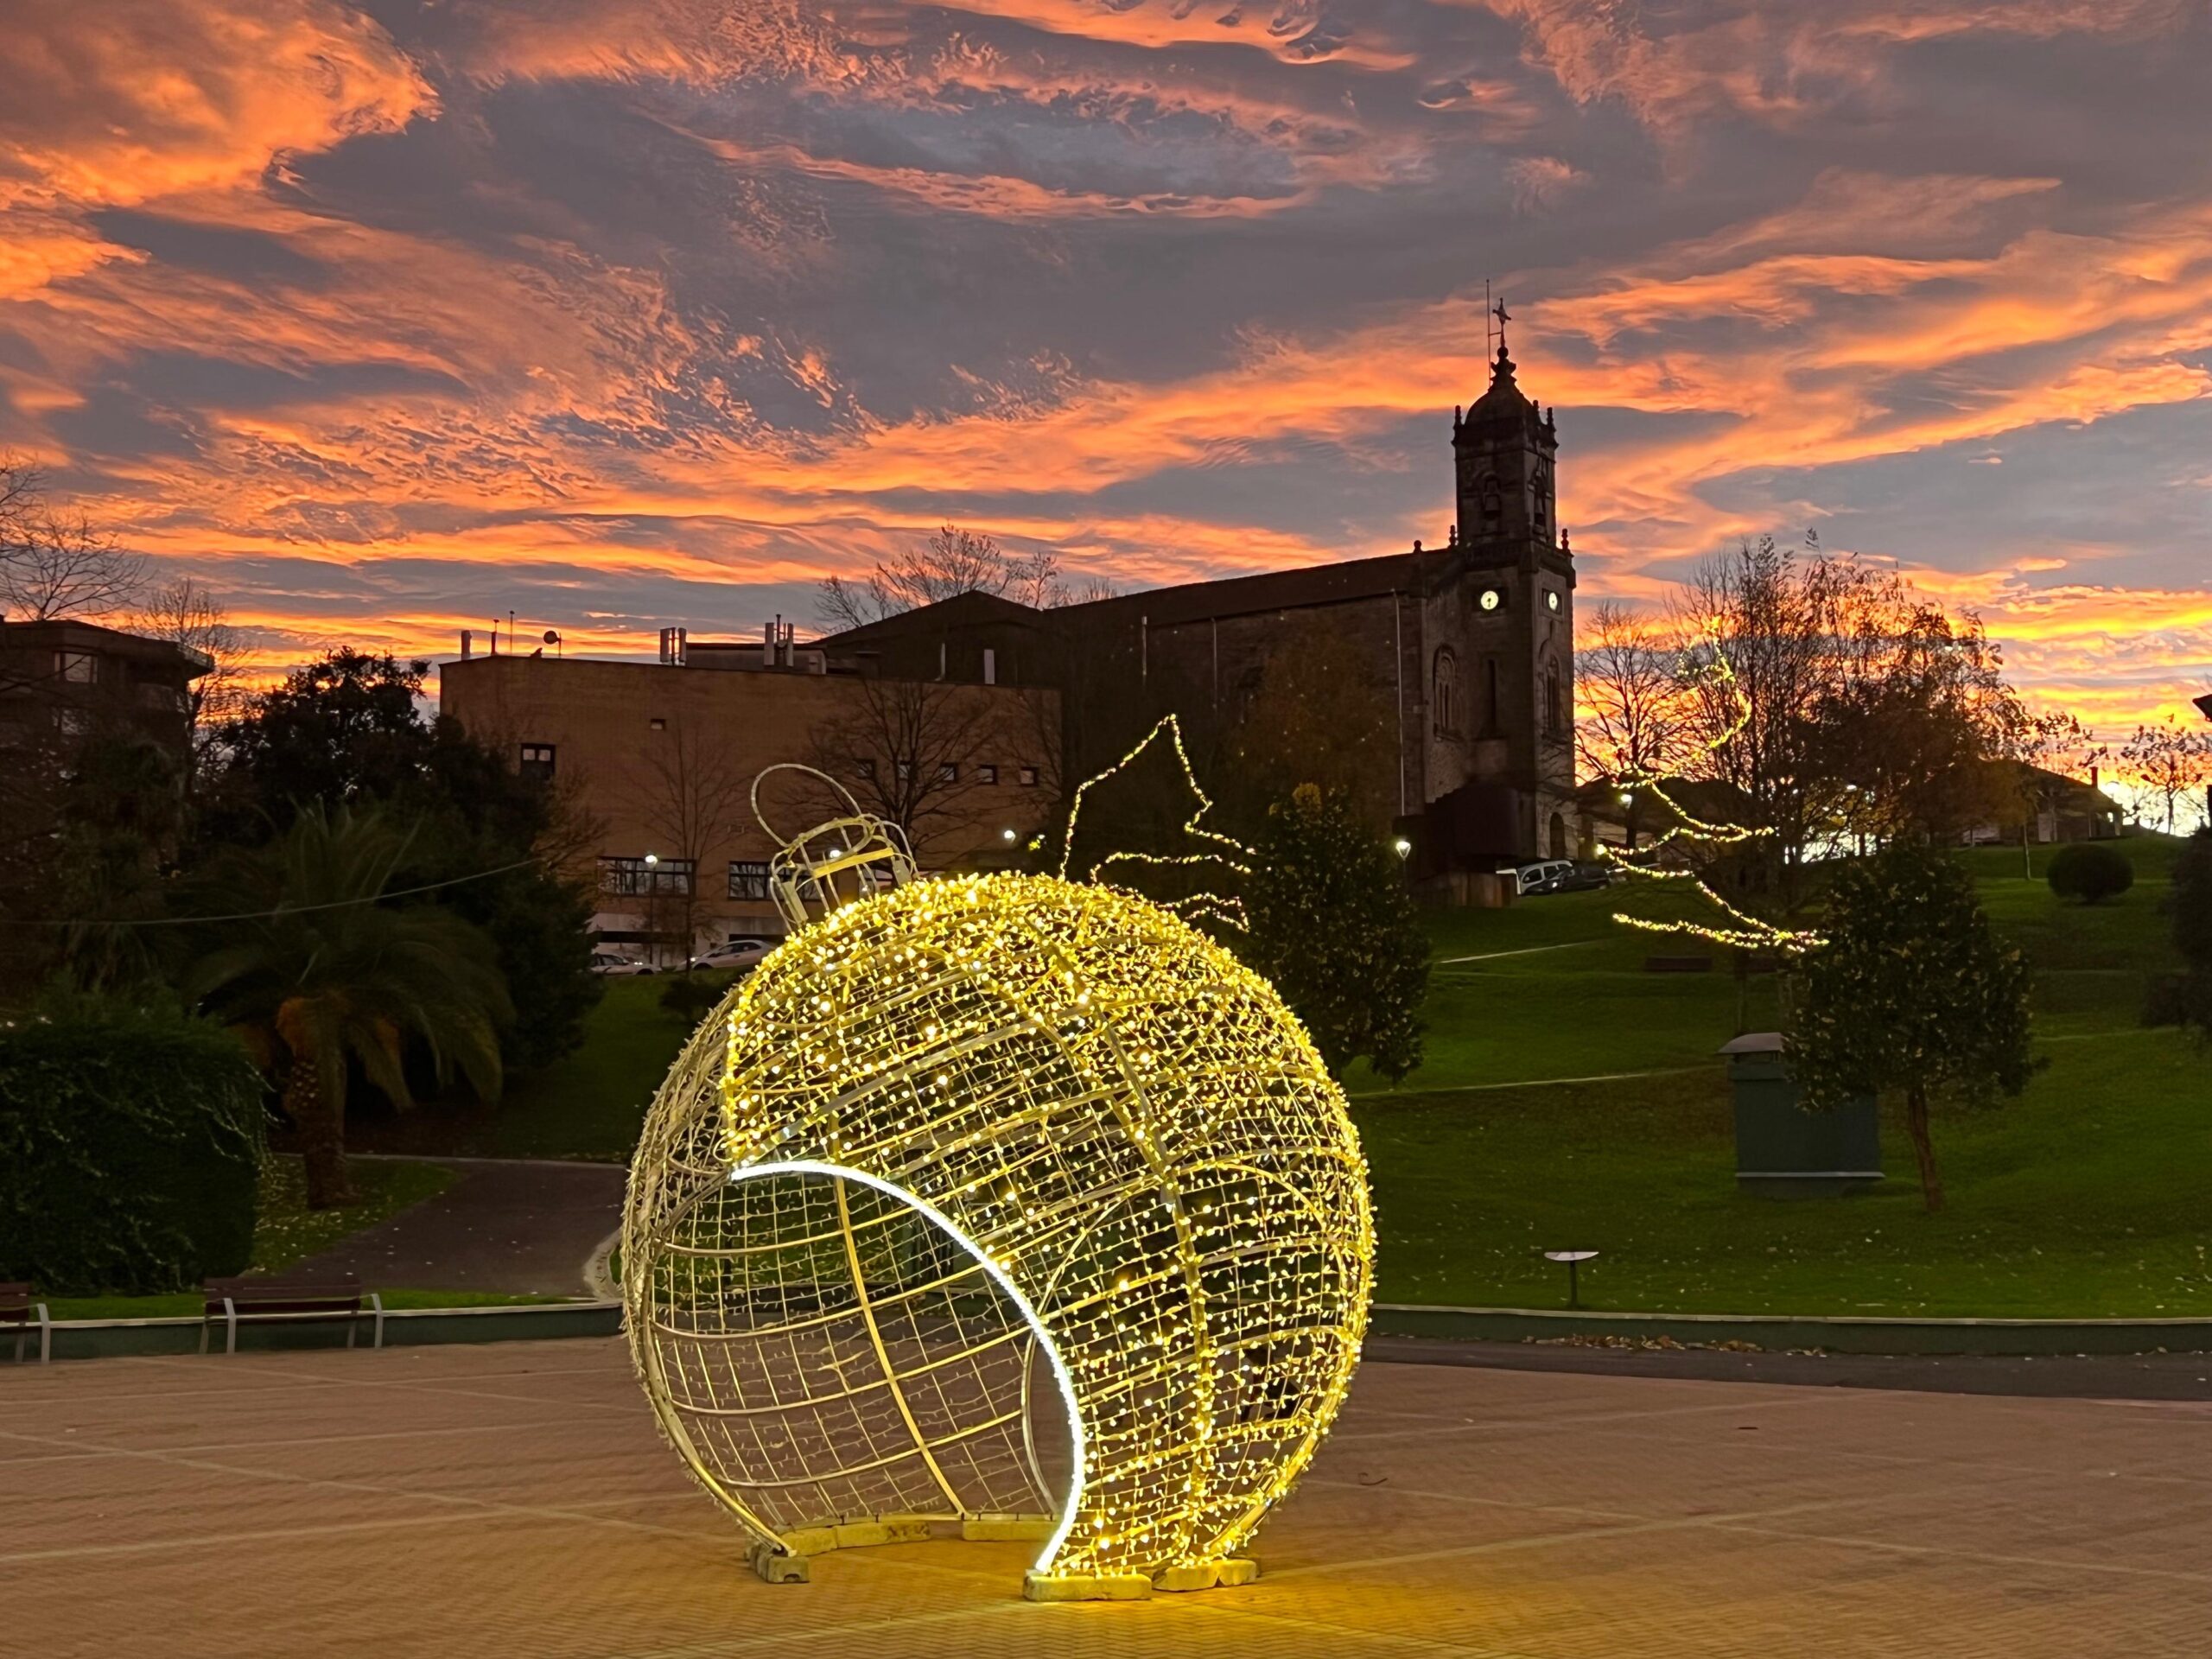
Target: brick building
{"points": [[659, 757], [1471, 644]]}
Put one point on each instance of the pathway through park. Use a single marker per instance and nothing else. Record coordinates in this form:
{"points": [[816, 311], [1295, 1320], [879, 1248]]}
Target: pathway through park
{"points": [[522, 1226]]}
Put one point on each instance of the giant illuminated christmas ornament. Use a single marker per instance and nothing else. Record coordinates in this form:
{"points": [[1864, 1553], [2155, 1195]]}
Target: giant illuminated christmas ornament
{"points": [[1008, 1201]]}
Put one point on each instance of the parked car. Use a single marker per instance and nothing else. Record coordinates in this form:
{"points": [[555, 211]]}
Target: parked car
{"points": [[1532, 877], [740, 954], [1578, 878], [605, 962]]}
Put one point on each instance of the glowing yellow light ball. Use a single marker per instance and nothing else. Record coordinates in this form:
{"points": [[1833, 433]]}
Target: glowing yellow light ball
{"points": [[975, 1152]]}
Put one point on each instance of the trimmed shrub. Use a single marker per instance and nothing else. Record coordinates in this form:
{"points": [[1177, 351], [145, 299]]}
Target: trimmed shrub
{"points": [[693, 996], [131, 1145], [2090, 871]]}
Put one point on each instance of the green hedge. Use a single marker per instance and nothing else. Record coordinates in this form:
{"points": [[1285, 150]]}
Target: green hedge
{"points": [[129, 1147]]}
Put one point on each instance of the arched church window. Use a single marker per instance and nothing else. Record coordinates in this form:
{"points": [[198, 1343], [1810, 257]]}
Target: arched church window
{"points": [[1446, 698], [1493, 504], [1543, 489], [1492, 716], [1554, 701]]}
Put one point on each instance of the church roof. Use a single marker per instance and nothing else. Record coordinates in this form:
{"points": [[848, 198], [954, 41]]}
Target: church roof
{"points": [[972, 608], [1273, 590]]}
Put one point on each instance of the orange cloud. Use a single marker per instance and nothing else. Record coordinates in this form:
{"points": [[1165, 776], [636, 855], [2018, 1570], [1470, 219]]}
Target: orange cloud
{"points": [[616, 397], [158, 99]]}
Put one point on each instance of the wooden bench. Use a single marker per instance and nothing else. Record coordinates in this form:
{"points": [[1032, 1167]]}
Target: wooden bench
{"points": [[256, 1301], [1678, 964], [17, 1309]]}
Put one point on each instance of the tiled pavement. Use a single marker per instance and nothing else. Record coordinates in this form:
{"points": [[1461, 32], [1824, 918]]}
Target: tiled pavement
{"points": [[513, 1500]]}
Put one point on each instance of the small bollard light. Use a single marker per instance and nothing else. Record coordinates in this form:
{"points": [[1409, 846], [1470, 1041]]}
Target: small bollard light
{"points": [[1573, 1259]]}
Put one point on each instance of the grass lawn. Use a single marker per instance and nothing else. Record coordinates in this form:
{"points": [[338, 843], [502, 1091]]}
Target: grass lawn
{"points": [[2087, 1196], [2092, 1195]]}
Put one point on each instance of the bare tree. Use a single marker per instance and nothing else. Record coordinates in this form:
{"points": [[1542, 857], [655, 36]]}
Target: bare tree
{"points": [[1629, 680], [2167, 762], [2048, 748], [1774, 627], [185, 613], [1851, 706], [53, 563], [912, 752], [695, 793], [952, 562]]}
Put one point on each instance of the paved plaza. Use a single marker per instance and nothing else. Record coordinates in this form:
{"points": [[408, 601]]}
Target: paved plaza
{"points": [[513, 1500]]}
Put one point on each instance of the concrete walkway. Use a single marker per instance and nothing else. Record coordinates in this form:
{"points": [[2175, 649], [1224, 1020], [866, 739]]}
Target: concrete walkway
{"points": [[516, 1225], [515, 1499]]}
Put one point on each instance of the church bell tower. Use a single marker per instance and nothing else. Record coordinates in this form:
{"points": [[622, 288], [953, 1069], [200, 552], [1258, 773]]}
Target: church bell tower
{"points": [[1516, 579]]}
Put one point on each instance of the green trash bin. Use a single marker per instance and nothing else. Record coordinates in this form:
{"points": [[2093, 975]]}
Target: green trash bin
{"points": [[1784, 1151]]}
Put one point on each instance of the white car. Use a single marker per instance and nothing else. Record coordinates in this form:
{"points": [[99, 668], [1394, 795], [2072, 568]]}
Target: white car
{"points": [[740, 954], [1531, 877], [605, 962]]}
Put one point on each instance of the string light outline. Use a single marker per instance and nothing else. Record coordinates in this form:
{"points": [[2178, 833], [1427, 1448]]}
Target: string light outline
{"points": [[1753, 932], [1225, 908]]}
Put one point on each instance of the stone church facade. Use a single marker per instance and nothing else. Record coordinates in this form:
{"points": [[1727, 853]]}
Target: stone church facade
{"points": [[1472, 645]]}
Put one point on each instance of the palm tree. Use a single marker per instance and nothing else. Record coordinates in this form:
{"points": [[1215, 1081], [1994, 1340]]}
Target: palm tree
{"points": [[322, 974]]}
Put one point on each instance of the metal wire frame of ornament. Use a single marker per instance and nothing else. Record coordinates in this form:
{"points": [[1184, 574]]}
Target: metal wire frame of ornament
{"points": [[1003, 1201]]}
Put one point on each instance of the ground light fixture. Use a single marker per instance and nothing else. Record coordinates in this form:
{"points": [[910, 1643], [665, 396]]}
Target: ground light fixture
{"points": [[1004, 1202], [1573, 1259]]}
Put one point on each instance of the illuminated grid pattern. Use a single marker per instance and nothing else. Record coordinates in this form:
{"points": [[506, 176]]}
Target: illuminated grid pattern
{"points": [[1153, 1208]]}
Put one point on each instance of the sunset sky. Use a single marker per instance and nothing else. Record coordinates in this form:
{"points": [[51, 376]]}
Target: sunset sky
{"points": [[388, 318]]}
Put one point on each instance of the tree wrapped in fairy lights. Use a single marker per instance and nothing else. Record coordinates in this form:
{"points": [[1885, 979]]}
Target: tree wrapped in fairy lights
{"points": [[1008, 1202]]}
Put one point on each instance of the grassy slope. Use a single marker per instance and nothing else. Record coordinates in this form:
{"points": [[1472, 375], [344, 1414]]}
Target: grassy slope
{"points": [[593, 1103], [2087, 1196]]}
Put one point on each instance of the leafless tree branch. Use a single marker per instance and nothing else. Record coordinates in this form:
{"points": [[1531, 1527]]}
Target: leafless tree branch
{"points": [[55, 564]]}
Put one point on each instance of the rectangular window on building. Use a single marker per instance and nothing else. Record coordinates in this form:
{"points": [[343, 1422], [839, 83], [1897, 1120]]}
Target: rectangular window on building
{"points": [[639, 878], [77, 667], [867, 772], [948, 772], [990, 666], [1028, 776], [656, 724], [987, 775], [747, 878], [538, 761]]}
